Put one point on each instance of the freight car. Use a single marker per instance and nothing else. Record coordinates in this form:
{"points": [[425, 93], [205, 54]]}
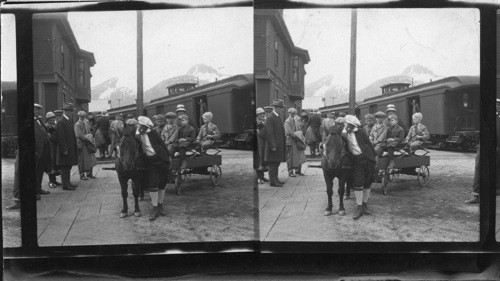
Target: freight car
{"points": [[450, 107], [231, 100]]}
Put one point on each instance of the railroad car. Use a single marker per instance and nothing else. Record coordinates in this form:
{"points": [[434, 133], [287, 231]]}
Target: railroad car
{"points": [[231, 100], [450, 107]]}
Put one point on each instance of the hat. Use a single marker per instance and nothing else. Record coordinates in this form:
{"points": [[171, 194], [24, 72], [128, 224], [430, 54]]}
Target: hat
{"points": [[292, 110], [278, 103], [38, 106], [180, 107], [353, 120], [50, 115], [58, 111], [369, 116], [260, 111], [68, 106], [143, 120], [268, 107], [390, 107], [380, 114], [170, 115], [81, 113], [130, 116]]}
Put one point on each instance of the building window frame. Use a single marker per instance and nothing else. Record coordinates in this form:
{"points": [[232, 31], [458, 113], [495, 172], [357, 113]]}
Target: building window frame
{"points": [[63, 60], [276, 55]]}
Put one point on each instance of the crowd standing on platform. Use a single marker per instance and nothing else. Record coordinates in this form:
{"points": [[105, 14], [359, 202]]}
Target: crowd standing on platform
{"points": [[61, 143]]}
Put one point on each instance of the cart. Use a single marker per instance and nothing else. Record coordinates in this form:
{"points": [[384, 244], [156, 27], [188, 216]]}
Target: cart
{"points": [[413, 163], [199, 164]]}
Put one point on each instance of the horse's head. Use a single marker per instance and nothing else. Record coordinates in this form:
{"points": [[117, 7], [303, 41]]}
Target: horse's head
{"points": [[333, 149], [128, 152]]}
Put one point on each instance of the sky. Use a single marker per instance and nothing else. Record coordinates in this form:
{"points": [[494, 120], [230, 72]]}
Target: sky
{"points": [[446, 41], [173, 41], [8, 48]]}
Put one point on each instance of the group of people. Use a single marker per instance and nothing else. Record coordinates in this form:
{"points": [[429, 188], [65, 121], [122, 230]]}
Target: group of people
{"points": [[286, 141], [279, 141], [61, 143]]}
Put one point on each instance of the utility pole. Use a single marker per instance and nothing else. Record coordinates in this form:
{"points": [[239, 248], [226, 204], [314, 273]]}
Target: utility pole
{"points": [[352, 84], [140, 94]]}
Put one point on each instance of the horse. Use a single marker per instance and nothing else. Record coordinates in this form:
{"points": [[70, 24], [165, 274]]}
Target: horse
{"points": [[336, 163], [128, 166]]}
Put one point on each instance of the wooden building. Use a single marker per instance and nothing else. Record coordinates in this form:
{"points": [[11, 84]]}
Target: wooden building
{"points": [[278, 63], [61, 69]]}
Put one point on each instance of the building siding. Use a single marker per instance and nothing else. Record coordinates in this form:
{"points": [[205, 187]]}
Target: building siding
{"points": [[42, 48]]}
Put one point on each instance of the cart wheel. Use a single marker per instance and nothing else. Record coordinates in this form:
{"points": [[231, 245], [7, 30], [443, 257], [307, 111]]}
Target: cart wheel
{"points": [[178, 182], [423, 175], [385, 182], [215, 174]]}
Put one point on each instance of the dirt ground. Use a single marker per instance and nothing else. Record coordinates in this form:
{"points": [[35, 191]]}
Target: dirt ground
{"points": [[408, 213]]}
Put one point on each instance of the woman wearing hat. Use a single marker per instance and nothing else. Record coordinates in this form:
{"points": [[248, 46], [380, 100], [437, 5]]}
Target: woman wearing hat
{"points": [[85, 146], [259, 164], [363, 156], [154, 152]]}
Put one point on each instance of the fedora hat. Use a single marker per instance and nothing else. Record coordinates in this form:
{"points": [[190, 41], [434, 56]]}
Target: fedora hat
{"points": [[260, 111], [58, 111], [38, 106], [49, 115], [68, 106], [390, 107], [278, 103]]}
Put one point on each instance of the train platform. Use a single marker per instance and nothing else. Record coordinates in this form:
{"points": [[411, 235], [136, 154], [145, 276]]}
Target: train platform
{"points": [[408, 213]]}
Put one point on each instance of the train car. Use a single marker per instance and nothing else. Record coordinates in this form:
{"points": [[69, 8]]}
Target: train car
{"points": [[450, 107], [9, 119], [231, 101], [341, 107]]}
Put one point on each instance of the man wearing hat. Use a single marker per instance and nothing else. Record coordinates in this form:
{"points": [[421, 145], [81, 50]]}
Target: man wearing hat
{"points": [[363, 155], [259, 164], [315, 124], [155, 154], [391, 110], [86, 156], [66, 156], [102, 128], [58, 113], [295, 157], [275, 142], [268, 110], [116, 132], [50, 124], [42, 150]]}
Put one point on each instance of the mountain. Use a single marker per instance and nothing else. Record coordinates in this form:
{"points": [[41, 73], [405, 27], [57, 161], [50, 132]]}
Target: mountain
{"points": [[121, 96], [326, 87], [413, 74]]}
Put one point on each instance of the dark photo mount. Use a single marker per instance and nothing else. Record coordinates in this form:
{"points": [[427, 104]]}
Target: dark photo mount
{"points": [[263, 257]]}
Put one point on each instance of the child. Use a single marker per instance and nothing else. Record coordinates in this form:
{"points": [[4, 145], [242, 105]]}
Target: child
{"points": [[418, 133], [186, 136], [170, 133], [208, 132], [378, 134], [395, 135]]}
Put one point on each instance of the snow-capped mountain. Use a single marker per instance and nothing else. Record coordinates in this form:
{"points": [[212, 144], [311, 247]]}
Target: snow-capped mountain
{"points": [[326, 88], [122, 95]]}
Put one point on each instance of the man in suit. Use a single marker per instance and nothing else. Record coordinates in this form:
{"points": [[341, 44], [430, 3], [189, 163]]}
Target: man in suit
{"points": [[43, 160], [156, 158], [363, 155], [66, 156], [315, 124], [275, 142], [102, 124]]}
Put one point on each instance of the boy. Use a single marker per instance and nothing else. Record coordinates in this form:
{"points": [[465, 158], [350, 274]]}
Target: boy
{"points": [[395, 134], [208, 132]]}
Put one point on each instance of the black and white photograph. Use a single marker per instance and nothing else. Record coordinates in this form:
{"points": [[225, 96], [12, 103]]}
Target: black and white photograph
{"points": [[11, 218], [368, 124], [144, 124]]}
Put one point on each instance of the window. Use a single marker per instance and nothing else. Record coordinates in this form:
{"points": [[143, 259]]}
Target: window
{"points": [[465, 98], [295, 69], [276, 94], [276, 54], [62, 57]]}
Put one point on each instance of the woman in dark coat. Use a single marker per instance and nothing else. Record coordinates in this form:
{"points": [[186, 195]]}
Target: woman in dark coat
{"points": [[50, 123], [66, 154]]}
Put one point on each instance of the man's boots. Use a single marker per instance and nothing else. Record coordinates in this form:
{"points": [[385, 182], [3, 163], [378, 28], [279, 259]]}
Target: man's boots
{"points": [[154, 213], [365, 209], [359, 212]]}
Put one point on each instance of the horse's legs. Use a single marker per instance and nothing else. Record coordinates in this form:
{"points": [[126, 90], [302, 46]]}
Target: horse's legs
{"points": [[136, 184], [123, 185], [329, 191]]}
